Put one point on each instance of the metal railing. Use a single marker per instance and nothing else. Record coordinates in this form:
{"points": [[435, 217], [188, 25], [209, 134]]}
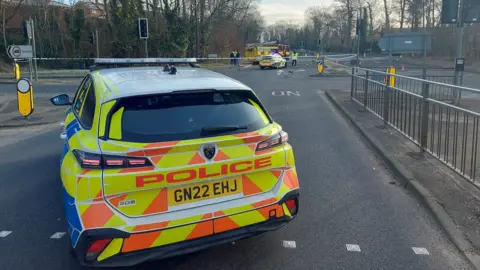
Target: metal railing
{"points": [[436, 92], [448, 132]]}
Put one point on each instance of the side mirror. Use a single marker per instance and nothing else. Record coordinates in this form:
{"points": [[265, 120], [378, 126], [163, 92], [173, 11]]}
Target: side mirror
{"points": [[61, 100]]}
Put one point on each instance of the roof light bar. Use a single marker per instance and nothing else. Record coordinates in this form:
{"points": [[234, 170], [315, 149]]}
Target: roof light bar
{"points": [[145, 60]]}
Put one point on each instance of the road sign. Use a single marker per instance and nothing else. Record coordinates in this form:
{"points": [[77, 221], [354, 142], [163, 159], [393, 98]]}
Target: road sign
{"points": [[470, 11], [407, 42], [449, 13], [20, 51]]}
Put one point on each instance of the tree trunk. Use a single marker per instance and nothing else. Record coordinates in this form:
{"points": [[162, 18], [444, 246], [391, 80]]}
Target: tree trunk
{"points": [[3, 29], [402, 13], [387, 15]]}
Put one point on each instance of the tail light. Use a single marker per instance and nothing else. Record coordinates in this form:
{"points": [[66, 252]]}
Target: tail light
{"points": [[98, 161], [292, 206], [276, 140], [96, 248]]}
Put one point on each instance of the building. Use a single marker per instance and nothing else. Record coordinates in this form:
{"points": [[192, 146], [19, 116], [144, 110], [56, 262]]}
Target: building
{"points": [[20, 11], [91, 8]]}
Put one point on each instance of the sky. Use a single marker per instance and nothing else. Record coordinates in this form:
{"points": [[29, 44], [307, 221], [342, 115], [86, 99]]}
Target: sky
{"points": [[288, 10], [282, 10]]}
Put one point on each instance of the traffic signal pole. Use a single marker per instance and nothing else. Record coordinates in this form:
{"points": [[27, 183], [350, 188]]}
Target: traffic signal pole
{"points": [[459, 49], [359, 32], [34, 50], [146, 48], [96, 43]]}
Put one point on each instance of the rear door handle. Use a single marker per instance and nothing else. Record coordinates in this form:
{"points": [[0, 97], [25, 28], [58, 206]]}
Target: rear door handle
{"points": [[63, 135]]}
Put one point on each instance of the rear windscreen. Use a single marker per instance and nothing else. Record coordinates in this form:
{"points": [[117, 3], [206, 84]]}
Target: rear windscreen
{"points": [[183, 116]]}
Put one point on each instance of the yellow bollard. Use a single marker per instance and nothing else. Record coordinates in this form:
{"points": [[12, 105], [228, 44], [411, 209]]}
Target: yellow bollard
{"points": [[391, 70], [16, 71], [24, 97]]}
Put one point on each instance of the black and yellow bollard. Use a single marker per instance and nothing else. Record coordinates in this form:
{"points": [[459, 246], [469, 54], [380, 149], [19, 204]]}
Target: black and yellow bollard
{"points": [[24, 97]]}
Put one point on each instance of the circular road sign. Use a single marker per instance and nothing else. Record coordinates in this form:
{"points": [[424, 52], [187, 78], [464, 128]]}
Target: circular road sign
{"points": [[17, 52], [23, 85]]}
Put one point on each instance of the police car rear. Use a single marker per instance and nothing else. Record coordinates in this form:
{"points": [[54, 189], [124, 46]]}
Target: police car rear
{"points": [[189, 160]]}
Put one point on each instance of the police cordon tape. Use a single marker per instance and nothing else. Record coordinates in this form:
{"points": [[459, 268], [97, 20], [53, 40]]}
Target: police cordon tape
{"points": [[328, 57]]}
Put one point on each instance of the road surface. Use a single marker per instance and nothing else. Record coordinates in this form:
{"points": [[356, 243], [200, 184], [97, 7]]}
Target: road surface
{"points": [[347, 198]]}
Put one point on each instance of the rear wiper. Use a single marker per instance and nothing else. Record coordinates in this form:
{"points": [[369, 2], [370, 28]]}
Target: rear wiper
{"points": [[221, 129]]}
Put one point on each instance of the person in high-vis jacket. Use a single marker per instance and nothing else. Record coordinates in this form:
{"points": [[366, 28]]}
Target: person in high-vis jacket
{"points": [[294, 58]]}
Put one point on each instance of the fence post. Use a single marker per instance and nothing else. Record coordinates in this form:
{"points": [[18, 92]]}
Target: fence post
{"points": [[365, 91], [386, 102], [351, 88], [424, 118]]}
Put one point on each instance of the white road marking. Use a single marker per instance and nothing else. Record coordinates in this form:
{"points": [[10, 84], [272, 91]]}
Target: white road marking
{"points": [[4, 234], [57, 235], [282, 93], [420, 251], [353, 247], [289, 244]]}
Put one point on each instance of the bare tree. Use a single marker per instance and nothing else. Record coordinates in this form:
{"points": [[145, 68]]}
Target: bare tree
{"points": [[387, 12]]}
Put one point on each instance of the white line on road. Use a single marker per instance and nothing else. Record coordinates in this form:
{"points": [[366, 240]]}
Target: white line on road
{"points": [[289, 244], [5, 233], [57, 235], [353, 247], [420, 251]]}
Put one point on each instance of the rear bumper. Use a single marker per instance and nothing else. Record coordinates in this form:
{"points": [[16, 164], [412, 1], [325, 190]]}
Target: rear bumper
{"points": [[274, 222]]}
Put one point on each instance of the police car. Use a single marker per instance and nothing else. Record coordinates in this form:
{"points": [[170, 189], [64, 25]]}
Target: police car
{"points": [[272, 61], [161, 160]]}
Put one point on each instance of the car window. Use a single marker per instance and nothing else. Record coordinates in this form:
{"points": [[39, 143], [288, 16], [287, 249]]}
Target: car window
{"points": [[181, 116], [80, 95], [88, 111]]}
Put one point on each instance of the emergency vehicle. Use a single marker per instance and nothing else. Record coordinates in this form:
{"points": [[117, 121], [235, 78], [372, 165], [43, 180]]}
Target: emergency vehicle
{"points": [[255, 51], [159, 162]]}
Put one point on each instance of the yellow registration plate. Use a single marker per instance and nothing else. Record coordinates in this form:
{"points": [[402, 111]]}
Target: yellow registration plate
{"points": [[198, 192]]}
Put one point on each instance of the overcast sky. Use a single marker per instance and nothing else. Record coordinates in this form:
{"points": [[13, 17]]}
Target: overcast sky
{"points": [[290, 10], [280, 10]]}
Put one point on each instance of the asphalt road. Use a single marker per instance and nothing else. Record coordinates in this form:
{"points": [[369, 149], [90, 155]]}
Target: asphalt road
{"points": [[347, 197]]}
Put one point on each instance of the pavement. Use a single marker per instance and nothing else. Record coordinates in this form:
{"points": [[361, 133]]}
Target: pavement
{"points": [[454, 201], [348, 197]]}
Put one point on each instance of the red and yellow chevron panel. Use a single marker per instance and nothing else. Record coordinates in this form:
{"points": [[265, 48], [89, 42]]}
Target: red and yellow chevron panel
{"points": [[164, 237], [167, 236], [289, 182], [98, 215]]}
